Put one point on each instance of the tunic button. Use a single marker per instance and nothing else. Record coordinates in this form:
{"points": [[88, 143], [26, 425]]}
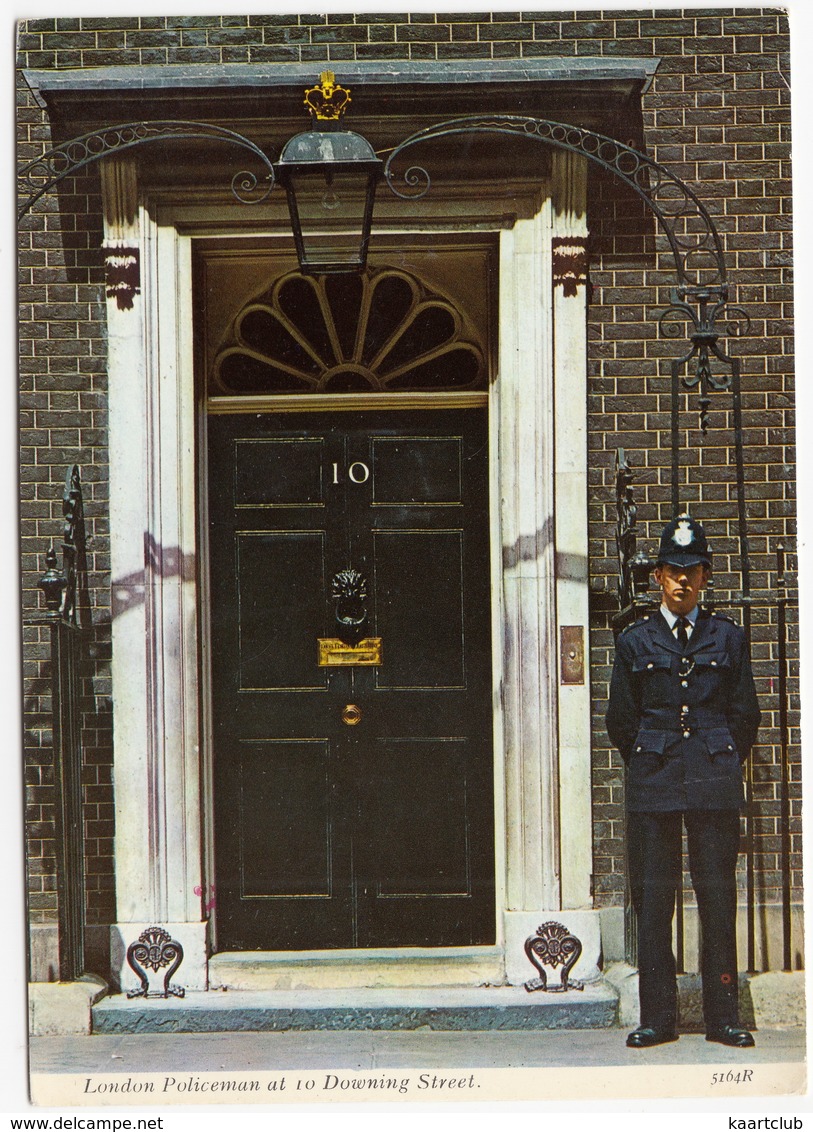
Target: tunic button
{"points": [[714, 664], [685, 707], [650, 665], [686, 734], [684, 683]]}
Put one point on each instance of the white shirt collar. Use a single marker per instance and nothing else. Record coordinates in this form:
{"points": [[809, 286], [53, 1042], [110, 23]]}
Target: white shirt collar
{"points": [[671, 618]]}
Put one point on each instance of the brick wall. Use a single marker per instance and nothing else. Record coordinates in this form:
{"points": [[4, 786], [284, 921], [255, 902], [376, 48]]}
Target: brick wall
{"points": [[63, 403], [717, 114]]}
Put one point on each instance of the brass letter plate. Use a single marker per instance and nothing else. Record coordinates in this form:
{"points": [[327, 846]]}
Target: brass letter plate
{"points": [[572, 654], [334, 652]]}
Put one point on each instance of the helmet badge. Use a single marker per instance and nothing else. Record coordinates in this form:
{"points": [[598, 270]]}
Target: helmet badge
{"points": [[684, 535]]}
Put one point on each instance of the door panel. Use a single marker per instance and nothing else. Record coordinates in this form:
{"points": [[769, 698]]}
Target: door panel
{"points": [[419, 607], [285, 818], [411, 470], [278, 473], [380, 833], [427, 775]]}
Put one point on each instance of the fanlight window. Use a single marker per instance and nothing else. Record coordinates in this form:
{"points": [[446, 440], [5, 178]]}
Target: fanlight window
{"points": [[381, 330]]}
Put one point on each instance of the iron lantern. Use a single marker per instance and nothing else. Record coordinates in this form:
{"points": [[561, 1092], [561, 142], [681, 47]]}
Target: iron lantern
{"points": [[330, 177]]}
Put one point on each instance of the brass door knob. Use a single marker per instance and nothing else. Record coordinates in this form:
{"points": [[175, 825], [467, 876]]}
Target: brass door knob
{"points": [[351, 715]]}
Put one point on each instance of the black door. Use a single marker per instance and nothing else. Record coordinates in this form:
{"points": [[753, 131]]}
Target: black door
{"points": [[353, 802]]}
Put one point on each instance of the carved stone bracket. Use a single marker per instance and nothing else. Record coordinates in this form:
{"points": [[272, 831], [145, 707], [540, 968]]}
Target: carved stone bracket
{"points": [[155, 949], [553, 946], [122, 275], [122, 271], [569, 263]]}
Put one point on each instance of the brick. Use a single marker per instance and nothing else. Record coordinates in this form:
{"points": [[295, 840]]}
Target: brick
{"points": [[341, 51], [423, 33], [464, 51], [228, 37], [382, 33], [505, 31], [346, 33], [286, 54], [424, 51]]}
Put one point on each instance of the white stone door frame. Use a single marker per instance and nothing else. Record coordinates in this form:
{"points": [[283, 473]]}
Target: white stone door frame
{"points": [[538, 496]]}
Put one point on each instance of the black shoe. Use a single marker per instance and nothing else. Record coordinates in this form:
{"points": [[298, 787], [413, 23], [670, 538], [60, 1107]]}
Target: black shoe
{"points": [[646, 1036], [730, 1036]]}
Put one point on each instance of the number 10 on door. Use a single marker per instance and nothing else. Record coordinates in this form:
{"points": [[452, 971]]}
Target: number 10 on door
{"points": [[357, 473]]}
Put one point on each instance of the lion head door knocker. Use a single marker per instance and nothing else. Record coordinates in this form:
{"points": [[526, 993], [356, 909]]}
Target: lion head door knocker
{"points": [[155, 949], [349, 591], [553, 946]]}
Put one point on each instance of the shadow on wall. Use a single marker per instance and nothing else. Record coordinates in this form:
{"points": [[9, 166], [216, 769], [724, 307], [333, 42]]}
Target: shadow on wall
{"points": [[161, 562]]}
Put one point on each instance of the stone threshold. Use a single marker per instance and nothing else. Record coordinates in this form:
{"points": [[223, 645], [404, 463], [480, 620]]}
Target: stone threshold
{"points": [[441, 1009], [416, 967]]}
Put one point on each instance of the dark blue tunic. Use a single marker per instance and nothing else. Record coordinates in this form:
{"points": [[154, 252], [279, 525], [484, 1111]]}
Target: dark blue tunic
{"points": [[683, 717]]}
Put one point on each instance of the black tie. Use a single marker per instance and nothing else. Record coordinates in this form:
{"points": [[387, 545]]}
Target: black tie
{"points": [[683, 631]]}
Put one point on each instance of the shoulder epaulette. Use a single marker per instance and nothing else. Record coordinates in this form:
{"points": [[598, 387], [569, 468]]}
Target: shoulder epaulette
{"points": [[723, 617], [635, 624]]}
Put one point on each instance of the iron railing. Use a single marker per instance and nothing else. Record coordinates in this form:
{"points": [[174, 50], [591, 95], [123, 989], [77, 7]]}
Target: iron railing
{"points": [[63, 589]]}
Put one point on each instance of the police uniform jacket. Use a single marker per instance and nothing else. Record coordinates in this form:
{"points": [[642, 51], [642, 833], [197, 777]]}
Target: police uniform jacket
{"points": [[684, 717]]}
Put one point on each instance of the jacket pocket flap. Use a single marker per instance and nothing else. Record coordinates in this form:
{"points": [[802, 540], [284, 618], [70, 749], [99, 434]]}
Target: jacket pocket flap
{"points": [[651, 660], [719, 741], [650, 742], [712, 659]]}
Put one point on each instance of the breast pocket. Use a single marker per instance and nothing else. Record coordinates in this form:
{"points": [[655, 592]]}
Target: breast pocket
{"points": [[652, 662], [713, 660]]}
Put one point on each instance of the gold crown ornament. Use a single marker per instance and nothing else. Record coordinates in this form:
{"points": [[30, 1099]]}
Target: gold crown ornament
{"points": [[327, 101]]}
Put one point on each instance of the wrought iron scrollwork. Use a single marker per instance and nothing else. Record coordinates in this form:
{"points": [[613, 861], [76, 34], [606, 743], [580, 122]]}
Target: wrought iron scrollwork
{"points": [[47, 170], [701, 296], [155, 949], [684, 219], [712, 307], [553, 946], [693, 238]]}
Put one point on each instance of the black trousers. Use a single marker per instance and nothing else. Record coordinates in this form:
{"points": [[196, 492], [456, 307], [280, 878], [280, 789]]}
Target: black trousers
{"points": [[654, 843]]}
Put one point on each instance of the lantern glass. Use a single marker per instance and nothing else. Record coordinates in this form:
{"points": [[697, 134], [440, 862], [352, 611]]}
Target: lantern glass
{"points": [[330, 177], [331, 213]]}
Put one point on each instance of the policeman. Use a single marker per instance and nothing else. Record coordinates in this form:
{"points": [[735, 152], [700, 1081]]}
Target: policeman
{"points": [[683, 713]]}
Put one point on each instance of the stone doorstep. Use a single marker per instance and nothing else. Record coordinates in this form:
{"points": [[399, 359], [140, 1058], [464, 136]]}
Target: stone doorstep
{"points": [[772, 998], [63, 1008], [351, 969], [446, 1008]]}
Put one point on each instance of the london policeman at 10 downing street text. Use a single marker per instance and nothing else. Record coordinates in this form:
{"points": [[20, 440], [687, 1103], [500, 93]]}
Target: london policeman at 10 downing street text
{"points": [[683, 713]]}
